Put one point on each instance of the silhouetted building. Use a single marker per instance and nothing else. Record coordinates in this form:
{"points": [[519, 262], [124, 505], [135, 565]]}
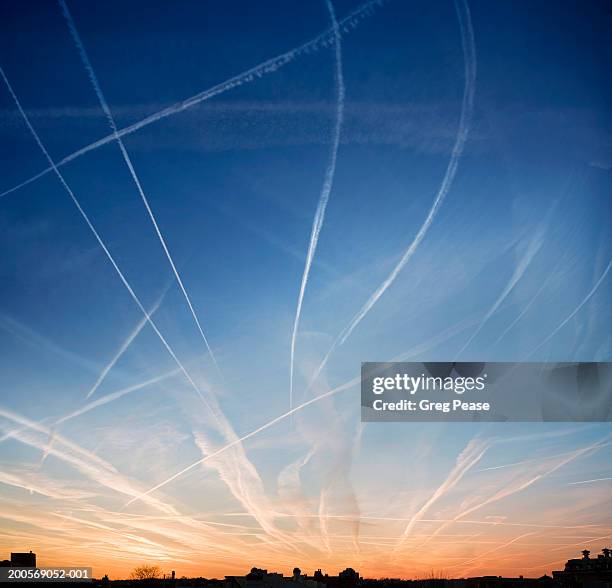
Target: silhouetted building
{"points": [[318, 576], [259, 578], [591, 572], [349, 577], [24, 560]]}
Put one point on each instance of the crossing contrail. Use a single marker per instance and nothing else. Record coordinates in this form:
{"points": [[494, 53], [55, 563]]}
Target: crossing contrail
{"points": [[346, 386], [326, 189], [531, 251], [466, 460], [525, 309], [115, 395], [112, 396], [267, 425], [467, 107], [271, 65], [124, 346], [99, 240], [94, 404], [575, 311], [111, 121], [84, 461]]}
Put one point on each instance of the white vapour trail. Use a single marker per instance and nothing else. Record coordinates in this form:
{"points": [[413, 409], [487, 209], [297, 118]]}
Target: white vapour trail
{"points": [[123, 347], [539, 291], [522, 484], [589, 481], [89, 406], [469, 54], [244, 482], [488, 552], [463, 521], [256, 431], [505, 492], [33, 483], [326, 189], [115, 395], [470, 456], [84, 461], [526, 461], [111, 121], [525, 309], [531, 251], [575, 311], [271, 65], [346, 386], [289, 490], [99, 239]]}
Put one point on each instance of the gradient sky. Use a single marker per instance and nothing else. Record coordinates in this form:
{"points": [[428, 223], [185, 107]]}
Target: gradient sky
{"points": [[94, 410]]}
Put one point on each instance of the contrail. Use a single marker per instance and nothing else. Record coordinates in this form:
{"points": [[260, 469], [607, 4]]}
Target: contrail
{"points": [[341, 388], [529, 304], [84, 461], [532, 250], [505, 492], [526, 461], [99, 240], [114, 396], [124, 346], [469, 457], [267, 425], [493, 550], [575, 311], [402, 519], [122, 349], [271, 65], [326, 189], [525, 308], [111, 121], [469, 54], [589, 481]]}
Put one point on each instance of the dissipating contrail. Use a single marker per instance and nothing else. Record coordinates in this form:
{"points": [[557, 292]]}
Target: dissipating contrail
{"points": [[328, 182], [239, 440], [123, 348], [111, 121], [576, 310], [271, 65], [346, 386], [467, 107], [522, 266]]}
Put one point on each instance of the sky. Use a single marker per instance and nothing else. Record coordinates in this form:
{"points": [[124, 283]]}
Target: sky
{"points": [[190, 287]]}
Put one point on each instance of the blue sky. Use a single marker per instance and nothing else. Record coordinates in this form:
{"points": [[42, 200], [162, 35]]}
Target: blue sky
{"points": [[513, 266]]}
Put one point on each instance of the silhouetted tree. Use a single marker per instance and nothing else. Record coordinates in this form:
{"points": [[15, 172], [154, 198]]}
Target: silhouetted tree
{"points": [[145, 572]]}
